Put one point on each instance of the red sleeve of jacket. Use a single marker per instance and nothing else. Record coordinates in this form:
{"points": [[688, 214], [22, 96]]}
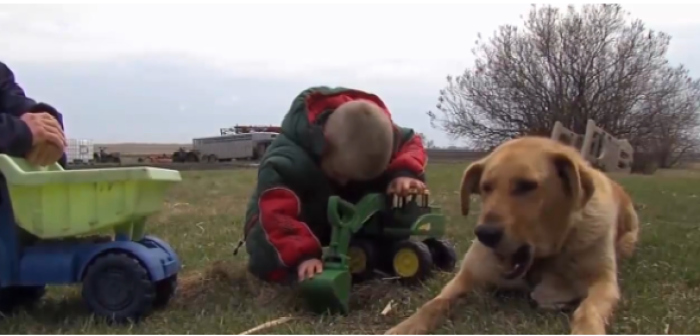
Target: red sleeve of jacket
{"points": [[410, 159], [279, 218]]}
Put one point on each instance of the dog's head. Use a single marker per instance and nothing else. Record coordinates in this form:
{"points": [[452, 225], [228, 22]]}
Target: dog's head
{"points": [[529, 188]]}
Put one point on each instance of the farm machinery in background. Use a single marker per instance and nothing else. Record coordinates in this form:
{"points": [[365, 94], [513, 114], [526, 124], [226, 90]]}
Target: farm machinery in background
{"points": [[598, 147], [159, 158], [184, 155], [240, 142], [103, 157], [243, 129]]}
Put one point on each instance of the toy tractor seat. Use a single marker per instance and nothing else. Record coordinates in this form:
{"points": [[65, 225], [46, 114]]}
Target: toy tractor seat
{"points": [[50, 202]]}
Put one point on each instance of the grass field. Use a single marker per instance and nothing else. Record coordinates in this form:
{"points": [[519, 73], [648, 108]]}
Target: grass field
{"points": [[203, 216]]}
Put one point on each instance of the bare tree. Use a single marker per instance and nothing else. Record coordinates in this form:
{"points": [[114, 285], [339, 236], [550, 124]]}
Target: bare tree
{"points": [[573, 66], [667, 129]]}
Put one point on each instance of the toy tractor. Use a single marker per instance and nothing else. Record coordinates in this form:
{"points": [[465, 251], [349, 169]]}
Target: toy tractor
{"points": [[374, 236], [53, 226]]}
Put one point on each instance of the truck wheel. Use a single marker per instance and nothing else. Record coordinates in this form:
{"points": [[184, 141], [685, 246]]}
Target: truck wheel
{"points": [[444, 255], [165, 290], [362, 260], [412, 261], [118, 288]]}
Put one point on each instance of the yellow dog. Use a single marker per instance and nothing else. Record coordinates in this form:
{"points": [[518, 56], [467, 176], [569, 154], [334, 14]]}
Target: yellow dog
{"points": [[547, 218]]}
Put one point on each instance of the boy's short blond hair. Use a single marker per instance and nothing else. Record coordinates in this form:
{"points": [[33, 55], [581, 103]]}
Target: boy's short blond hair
{"points": [[360, 139]]}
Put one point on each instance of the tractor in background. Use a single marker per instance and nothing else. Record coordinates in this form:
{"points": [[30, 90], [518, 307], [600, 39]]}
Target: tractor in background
{"points": [[183, 155], [103, 157]]}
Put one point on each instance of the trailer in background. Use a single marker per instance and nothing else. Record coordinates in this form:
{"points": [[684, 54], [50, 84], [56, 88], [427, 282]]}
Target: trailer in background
{"points": [[228, 147]]}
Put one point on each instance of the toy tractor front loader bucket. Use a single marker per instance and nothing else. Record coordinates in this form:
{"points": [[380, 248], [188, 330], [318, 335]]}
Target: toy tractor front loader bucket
{"points": [[330, 290]]}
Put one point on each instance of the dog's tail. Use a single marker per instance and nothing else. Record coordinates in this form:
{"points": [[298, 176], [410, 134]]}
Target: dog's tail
{"points": [[627, 226]]}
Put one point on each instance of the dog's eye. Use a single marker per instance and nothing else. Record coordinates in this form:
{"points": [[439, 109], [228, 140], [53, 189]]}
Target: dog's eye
{"points": [[486, 188], [524, 186]]}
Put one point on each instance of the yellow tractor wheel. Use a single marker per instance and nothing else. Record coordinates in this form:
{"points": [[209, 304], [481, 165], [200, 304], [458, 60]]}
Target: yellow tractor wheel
{"points": [[412, 261], [362, 259]]}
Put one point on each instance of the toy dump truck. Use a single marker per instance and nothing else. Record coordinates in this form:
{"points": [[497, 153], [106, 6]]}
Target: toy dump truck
{"points": [[52, 232], [375, 235]]}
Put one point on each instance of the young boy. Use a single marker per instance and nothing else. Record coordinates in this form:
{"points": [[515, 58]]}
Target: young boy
{"points": [[334, 141]]}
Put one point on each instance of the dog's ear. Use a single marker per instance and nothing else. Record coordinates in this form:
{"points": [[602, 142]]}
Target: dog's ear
{"points": [[470, 184], [577, 181]]}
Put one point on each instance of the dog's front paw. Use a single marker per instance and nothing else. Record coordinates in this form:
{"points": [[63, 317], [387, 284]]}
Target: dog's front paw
{"points": [[587, 322], [410, 326], [579, 329]]}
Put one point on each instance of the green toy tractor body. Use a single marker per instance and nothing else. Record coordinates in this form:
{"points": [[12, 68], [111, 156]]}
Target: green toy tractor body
{"points": [[374, 236]]}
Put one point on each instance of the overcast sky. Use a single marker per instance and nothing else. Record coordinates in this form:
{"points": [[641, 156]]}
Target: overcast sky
{"points": [[167, 73]]}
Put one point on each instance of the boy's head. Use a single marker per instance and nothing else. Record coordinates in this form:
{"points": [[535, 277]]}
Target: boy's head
{"points": [[360, 142]]}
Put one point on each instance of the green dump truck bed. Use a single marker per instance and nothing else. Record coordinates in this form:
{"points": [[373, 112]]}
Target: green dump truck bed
{"points": [[50, 202]]}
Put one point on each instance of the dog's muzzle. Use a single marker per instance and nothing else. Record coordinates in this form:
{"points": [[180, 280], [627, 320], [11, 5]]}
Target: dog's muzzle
{"points": [[521, 262]]}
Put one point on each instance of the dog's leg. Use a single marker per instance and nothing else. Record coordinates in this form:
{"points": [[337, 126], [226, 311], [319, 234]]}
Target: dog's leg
{"points": [[477, 268], [627, 225], [591, 317], [626, 245], [628, 239]]}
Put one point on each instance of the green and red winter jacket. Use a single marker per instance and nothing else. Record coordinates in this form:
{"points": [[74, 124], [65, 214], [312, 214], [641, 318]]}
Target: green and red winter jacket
{"points": [[286, 217]]}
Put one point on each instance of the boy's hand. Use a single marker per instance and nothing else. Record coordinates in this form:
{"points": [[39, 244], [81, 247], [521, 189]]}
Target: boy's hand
{"points": [[309, 268], [402, 185]]}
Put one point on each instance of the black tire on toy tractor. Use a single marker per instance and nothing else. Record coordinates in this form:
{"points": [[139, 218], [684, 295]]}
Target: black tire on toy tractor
{"points": [[118, 287], [369, 254], [412, 261], [165, 290], [444, 254], [384, 252]]}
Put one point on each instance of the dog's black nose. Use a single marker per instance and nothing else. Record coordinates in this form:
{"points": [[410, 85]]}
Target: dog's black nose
{"points": [[489, 234]]}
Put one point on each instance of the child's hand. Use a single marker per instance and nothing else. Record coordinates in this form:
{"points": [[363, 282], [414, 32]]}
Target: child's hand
{"points": [[402, 185], [309, 268]]}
